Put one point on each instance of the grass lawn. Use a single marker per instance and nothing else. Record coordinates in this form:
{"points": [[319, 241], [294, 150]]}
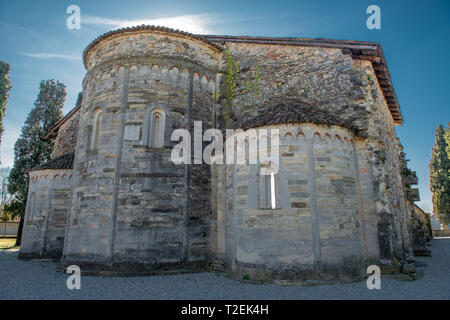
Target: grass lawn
{"points": [[7, 243]]}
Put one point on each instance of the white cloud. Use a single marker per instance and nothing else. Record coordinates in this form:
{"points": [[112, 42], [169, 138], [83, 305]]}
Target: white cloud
{"points": [[53, 56], [190, 23]]}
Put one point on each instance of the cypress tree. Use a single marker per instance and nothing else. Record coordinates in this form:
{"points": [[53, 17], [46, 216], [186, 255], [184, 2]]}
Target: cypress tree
{"points": [[30, 150], [5, 86], [440, 176]]}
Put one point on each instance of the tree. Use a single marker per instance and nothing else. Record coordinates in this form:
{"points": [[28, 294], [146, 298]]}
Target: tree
{"points": [[30, 150], [447, 139], [5, 86], [440, 176], [4, 195], [4, 215]]}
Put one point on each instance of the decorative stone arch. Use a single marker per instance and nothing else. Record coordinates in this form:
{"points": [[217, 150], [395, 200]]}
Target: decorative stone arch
{"points": [[155, 126], [347, 142], [211, 85], [316, 135], [134, 69], [174, 71], [245, 146], [300, 137], [288, 138]]}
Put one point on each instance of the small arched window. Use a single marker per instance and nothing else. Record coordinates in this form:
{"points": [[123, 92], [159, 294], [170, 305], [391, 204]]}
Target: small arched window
{"points": [[157, 127], [98, 114]]}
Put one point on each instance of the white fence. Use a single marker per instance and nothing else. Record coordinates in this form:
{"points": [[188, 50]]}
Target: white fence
{"points": [[9, 229]]}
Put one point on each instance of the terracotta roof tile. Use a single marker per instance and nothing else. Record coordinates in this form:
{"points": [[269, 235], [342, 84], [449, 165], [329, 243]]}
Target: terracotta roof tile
{"points": [[62, 162], [292, 113]]}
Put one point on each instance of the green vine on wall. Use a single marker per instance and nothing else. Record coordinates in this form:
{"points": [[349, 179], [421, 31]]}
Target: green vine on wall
{"points": [[252, 86], [232, 79], [232, 76]]}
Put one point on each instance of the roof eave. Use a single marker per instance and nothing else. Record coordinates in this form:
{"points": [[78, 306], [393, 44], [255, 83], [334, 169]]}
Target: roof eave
{"points": [[53, 132]]}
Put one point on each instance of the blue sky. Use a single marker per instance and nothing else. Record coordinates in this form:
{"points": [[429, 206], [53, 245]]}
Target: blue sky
{"points": [[415, 37]]}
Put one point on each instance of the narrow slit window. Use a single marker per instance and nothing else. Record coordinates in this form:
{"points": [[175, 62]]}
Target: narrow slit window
{"points": [[272, 190], [267, 190]]}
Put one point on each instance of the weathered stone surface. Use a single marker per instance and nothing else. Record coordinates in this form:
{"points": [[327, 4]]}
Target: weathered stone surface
{"points": [[67, 135], [413, 194], [408, 268], [46, 213], [340, 197]]}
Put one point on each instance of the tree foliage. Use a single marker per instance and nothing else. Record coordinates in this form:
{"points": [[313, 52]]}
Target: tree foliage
{"points": [[447, 138], [30, 150], [4, 195], [5, 86], [4, 215], [440, 176]]}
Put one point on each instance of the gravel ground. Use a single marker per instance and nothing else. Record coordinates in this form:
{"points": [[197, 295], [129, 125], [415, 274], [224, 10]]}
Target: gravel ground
{"points": [[40, 280]]}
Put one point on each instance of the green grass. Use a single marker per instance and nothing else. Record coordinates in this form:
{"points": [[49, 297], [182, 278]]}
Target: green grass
{"points": [[7, 244]]}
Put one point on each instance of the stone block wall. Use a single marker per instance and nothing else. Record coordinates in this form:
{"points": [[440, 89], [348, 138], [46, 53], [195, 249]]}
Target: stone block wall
{"points": [[46, 213], [385, 163], [316, 229], [340, 198], [330, 80], [66, 140], [324, 78], [132, 205]]}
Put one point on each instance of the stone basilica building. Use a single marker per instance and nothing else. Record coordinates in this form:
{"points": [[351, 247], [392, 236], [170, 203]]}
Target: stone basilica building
{"points": [[111, 200]]}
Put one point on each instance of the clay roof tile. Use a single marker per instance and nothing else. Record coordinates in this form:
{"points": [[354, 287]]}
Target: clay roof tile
{"points": [[62, 162], [292, 113]]}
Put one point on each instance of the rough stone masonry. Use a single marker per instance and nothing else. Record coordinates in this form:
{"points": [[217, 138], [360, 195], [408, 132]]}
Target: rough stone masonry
{"points": [[111, 200]]}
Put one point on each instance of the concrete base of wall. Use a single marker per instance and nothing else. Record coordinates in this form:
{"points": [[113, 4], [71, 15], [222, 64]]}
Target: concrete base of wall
{"points": [[423, 252], [53, 255], [298, 274], [291, 282], [134, 268]]}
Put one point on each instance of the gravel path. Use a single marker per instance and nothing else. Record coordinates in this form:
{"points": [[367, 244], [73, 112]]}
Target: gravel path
{"points": [[40, 280]]}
